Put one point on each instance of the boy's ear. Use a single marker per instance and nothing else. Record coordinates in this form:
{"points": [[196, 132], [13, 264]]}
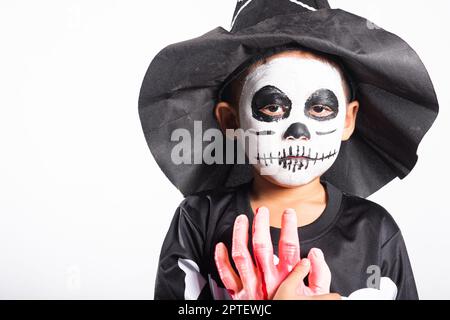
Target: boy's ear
{"points": [[226, 116], [350, 120]]}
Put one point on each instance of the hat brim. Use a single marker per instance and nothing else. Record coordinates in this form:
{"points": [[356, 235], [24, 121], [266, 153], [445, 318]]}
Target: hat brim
{"points": [[398, 103]]}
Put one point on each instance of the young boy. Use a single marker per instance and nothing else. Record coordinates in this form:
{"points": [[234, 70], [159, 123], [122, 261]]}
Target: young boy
{"points": [[288, 73], [304, 100]]}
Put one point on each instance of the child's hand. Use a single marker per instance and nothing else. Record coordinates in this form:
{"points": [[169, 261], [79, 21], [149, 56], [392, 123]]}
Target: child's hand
{"points": [[262, 282], [249, 286], [293, 287]]}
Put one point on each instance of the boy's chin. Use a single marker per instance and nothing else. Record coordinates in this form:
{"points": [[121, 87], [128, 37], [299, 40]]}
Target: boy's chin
{"points": [[288, 179]]}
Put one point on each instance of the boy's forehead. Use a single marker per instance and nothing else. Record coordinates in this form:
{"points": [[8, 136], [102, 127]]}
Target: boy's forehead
{"points": [[296, 72]]}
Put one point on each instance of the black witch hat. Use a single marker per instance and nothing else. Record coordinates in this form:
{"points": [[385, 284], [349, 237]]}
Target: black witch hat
{"points": [[398, 104]]}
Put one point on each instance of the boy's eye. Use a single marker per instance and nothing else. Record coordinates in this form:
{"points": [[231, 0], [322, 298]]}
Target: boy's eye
{"points": [[273, 110], [270, 104], [322, 105], [320, 111]]}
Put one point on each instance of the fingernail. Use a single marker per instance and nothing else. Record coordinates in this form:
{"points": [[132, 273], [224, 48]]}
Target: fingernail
{"points": [[318, 253], [289, 211], [219, 248], [305, 262], [240, 222], [262, 210]]}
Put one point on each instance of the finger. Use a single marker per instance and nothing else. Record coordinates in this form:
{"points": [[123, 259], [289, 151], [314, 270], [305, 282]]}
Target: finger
{"points": [[289, 247], [319, 278], [241, 256], [229, 278], [295, 279], [262, 243]]}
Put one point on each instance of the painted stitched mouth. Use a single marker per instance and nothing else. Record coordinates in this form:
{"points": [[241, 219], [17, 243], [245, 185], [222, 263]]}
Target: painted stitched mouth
{"points": [[295, 159]]}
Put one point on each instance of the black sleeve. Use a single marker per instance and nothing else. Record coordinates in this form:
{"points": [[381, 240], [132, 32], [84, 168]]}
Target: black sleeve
{"points": [[396, 266], [179, 275]]}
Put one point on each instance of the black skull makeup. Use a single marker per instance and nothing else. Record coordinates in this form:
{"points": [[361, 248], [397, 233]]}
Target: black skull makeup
{"points": [[292, 104], [270, 104], [297, 131], [322, 105]]}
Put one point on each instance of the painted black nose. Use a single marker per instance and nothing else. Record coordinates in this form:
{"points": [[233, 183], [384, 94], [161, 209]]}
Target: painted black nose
{"points": [[297, 131]]}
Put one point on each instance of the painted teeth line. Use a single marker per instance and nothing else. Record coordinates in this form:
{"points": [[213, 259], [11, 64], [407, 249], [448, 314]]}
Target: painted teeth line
{"points": [[307, 157], [295, 164]]}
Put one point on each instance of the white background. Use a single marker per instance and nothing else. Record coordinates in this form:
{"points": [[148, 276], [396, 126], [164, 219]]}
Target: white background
{"points": [[83, 206]]}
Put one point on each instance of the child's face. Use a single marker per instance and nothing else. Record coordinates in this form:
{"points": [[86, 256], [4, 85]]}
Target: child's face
{"points": [[297, 106]]}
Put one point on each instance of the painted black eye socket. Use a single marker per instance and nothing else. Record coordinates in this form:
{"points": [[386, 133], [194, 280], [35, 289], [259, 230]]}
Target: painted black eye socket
{"points": [[270, 104], [322, 105]]}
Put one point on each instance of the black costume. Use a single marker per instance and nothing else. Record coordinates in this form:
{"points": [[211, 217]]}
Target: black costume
{"points": [[354, 233]]}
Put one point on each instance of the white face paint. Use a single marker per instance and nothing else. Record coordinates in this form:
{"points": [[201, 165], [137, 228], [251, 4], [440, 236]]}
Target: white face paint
{"points": [[296, 105]]}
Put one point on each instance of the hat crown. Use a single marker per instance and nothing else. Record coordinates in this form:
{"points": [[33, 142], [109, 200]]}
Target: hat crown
{"points": [[251, 12]]}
